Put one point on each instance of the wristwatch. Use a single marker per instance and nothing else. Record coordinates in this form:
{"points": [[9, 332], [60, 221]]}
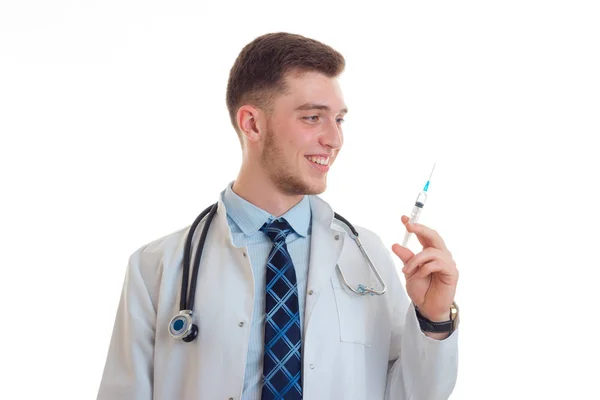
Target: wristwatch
{"points": [[439, 327]]}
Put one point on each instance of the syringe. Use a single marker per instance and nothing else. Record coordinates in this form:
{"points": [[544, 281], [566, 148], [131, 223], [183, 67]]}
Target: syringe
{"points": [[419, 204]]}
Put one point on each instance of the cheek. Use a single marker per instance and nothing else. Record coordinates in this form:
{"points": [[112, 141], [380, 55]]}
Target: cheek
{"points": [[299, 137]]}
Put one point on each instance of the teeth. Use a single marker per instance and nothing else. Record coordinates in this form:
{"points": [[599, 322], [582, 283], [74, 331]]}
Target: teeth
{"points": [[319, 160]]}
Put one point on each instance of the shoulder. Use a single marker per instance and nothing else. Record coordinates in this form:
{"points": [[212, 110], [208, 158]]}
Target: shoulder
{"points": [[376, 249], [152, 255], [373, 243], [147, 265], [366, 234]]}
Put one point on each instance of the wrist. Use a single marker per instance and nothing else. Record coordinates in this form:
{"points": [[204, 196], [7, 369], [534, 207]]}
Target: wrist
{"points": [[435, 317], [438, 322]]}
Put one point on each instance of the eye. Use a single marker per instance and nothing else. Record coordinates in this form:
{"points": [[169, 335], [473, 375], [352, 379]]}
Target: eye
{"points": [[312, 118], [340, 120]]}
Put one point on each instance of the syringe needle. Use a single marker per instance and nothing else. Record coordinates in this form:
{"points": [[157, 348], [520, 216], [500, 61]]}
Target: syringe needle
{"points": [[431, 172]]}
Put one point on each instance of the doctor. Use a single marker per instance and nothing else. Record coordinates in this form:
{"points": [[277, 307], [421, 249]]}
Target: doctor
{"points": [[274, 318]]}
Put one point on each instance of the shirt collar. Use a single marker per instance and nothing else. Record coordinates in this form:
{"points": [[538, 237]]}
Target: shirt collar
{"points": [[250, 218]]}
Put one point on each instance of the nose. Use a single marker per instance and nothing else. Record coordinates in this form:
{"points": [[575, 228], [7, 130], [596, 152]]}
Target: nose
{"points": [[332, 135]]}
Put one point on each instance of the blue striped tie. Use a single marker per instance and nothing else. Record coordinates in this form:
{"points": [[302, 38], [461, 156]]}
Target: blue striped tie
{"points": [[282, 359]]}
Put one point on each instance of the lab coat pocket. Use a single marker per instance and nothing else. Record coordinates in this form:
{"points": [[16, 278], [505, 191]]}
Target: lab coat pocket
{"points": [[355, 315]]}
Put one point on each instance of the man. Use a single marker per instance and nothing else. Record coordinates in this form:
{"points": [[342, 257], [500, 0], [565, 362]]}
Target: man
{"points": [[274, 318]]}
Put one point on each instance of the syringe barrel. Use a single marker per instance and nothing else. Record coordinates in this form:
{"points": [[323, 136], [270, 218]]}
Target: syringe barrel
{"points": [[414, 217], [421, 199], [416, 212]]}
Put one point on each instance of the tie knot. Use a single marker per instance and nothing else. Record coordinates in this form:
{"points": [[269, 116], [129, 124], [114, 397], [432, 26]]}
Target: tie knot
{"points": [[277, 230]]}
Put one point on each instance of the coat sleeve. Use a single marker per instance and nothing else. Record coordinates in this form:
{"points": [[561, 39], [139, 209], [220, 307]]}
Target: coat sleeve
{"points": [[420, 368], [128, 372]]}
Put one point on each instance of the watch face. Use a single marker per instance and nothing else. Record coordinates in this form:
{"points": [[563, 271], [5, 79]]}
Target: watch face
{"points": [[454, 316], [453, 311]]}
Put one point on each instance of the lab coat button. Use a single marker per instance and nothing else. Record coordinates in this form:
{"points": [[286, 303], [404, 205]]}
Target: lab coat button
{"points": [[337, 237], [310, 292], [312, 366], [244, 254], [241, 324]]}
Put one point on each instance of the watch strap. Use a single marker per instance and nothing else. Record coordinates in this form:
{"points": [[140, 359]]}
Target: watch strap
{"points": [[434, 327]]}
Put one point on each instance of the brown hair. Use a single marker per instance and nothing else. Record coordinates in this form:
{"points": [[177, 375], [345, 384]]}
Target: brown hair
{"points": [[258, 73]]}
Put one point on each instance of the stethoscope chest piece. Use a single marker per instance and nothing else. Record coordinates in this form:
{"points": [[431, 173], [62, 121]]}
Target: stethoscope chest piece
{"points": [[181, 326]]}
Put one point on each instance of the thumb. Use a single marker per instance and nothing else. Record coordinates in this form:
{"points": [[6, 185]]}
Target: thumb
{"points": [[402, 252]]}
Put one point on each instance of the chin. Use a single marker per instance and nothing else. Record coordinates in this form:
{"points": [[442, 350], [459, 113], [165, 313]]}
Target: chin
{"points": [[316, 186], [302, 185]]}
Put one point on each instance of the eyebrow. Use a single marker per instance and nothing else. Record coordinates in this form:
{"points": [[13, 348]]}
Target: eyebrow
{"points": [[314, 106]]}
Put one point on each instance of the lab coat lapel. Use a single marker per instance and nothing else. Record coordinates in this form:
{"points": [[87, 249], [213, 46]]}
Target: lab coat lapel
{"points": [[325, 251]]}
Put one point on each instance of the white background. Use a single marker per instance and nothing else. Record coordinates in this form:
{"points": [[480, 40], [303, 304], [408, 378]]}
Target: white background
{"points": [[115, 132]]}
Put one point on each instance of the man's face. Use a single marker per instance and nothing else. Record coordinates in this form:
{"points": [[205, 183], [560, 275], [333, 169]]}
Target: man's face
{"points": [[304, 134]]}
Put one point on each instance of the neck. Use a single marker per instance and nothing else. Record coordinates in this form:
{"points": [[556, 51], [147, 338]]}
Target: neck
{"points": [[264, 194]]}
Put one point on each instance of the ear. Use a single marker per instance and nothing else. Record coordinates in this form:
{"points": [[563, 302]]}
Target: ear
{"points": [[248, 122]]}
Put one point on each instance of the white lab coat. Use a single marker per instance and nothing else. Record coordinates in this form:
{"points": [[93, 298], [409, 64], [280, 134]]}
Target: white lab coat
{"points": [[355, 347]]}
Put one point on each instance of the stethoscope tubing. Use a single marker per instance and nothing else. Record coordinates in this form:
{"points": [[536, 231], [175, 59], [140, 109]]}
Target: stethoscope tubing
{"points": [[186, 303]]}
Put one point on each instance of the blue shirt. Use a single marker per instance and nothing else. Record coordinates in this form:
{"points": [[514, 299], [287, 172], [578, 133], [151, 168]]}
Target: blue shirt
{"points": [[245, 220]]}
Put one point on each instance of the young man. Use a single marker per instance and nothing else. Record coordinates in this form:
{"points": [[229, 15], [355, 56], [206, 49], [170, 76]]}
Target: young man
{"points": [[274, 318]]}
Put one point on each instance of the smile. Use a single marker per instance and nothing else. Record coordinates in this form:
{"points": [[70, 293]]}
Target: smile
{"points": [[320, 163]]}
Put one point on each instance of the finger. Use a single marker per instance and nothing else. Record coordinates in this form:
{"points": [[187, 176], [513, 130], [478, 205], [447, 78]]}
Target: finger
{"points": [[427, 255], [426, 269], [427, 236], [402, 252]]}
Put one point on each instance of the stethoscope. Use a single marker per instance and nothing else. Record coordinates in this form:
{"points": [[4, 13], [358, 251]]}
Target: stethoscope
{"points": [[182, 325]]}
